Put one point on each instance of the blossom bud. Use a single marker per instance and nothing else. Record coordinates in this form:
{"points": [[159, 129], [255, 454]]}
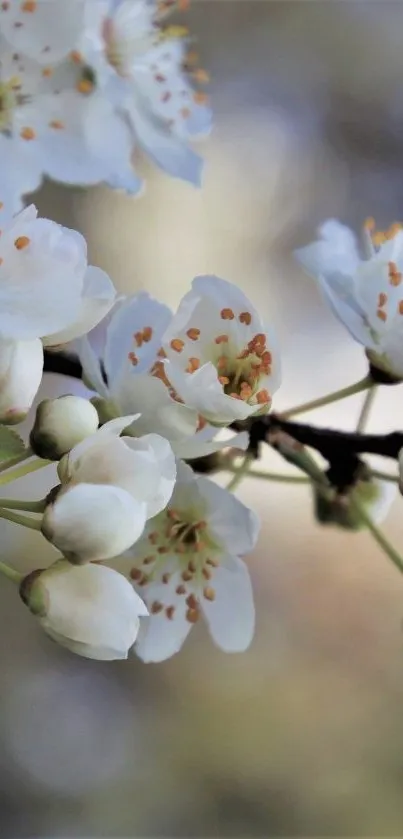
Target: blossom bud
{"points": [[339, 509], [60, 424], [93, 610]]}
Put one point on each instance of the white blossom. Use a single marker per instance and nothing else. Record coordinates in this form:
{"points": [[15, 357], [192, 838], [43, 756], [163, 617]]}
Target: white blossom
{"points": [[47, 291], [60, 424], [188, 564], [143, 66], [127, 352], [366, 294], [55, 120], [222, 361], [91, 610], [110, 486]]}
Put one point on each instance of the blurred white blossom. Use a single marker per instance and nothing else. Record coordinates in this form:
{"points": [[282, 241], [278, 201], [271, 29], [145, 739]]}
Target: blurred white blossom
{"points": [[364, 291]]}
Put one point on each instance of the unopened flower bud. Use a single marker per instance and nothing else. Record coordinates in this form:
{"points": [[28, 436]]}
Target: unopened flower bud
{"points": [[60, 424], [339, 509], [93, 610]]}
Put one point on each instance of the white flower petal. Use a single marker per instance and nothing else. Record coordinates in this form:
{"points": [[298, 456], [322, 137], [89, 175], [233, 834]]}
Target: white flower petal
{"points": [[92, 371], [235, 525], [336, 251], [94, 143], [168, 152], [133, 315], [160, 473], [193, 447], [98, 297], [20, 173], [92, 610], [231, 616], [21, 365], [160, 637], [160, 414], [91, 522], [43, 30], [41, 282]]}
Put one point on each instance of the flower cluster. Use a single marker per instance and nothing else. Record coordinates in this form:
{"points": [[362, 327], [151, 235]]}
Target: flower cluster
{"points": [[84, 84], [165, 386]]}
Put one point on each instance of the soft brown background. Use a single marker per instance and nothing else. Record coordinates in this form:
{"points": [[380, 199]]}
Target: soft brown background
{"points": [[303, 735]]}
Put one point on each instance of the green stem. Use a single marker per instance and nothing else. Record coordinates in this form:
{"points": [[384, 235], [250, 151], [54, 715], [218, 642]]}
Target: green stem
{"points": [[25, 469], [378, 535], [25, 521], [335, 396], [16, 460], [272, 476], [10, 573], [29, 506], [239, 474], [366, 409]]}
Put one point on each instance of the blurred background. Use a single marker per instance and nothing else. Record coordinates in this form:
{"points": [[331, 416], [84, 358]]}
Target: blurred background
{"points": [[303, 734]]}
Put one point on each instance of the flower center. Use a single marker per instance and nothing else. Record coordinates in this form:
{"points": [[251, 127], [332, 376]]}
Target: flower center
{"points": [[180, 544], [379, 237]]}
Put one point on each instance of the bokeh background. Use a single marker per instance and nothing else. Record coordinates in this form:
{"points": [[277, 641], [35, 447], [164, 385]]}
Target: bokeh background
{"points": [[303, 734]]}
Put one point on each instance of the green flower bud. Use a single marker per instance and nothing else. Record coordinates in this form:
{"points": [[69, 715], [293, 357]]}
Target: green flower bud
{"points": [[60, 424]]}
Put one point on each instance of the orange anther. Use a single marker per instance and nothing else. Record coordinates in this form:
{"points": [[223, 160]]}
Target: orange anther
{"points": [[181, 589], [138, 337], [221, 339], [227, 314], [193, 334], [22, 242], [136, 574], [147, 334], [381, 315], [245, 317], [382, 299], [177, 345], [156, 607], [209, 593], [76, 57], [194, 364], [224, 380], [192, 615], [28, 6], [161, 353], [84, 86], [47, 71], [263, 397], [27, 133], [57, 124], [170, 612], [133, 358]]}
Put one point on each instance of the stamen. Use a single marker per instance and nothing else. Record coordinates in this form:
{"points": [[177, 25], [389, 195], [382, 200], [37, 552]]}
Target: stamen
{"points": [[29, 6], [22, 242], [27, 133], [156, 607], [85, 86], [381, 315], [136, 574], [245, 317], [147, 334], [133, 358], [221, 339], [193, 333], [170, 612], [57, 124], [382, 299], [177, 345], [192, 602], [181, 589], [263, 397], [209, 593], [192, 615], [76, 57], [227, 314]]}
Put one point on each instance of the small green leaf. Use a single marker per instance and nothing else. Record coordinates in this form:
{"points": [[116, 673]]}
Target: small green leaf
{"points": [[12, 447]]}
